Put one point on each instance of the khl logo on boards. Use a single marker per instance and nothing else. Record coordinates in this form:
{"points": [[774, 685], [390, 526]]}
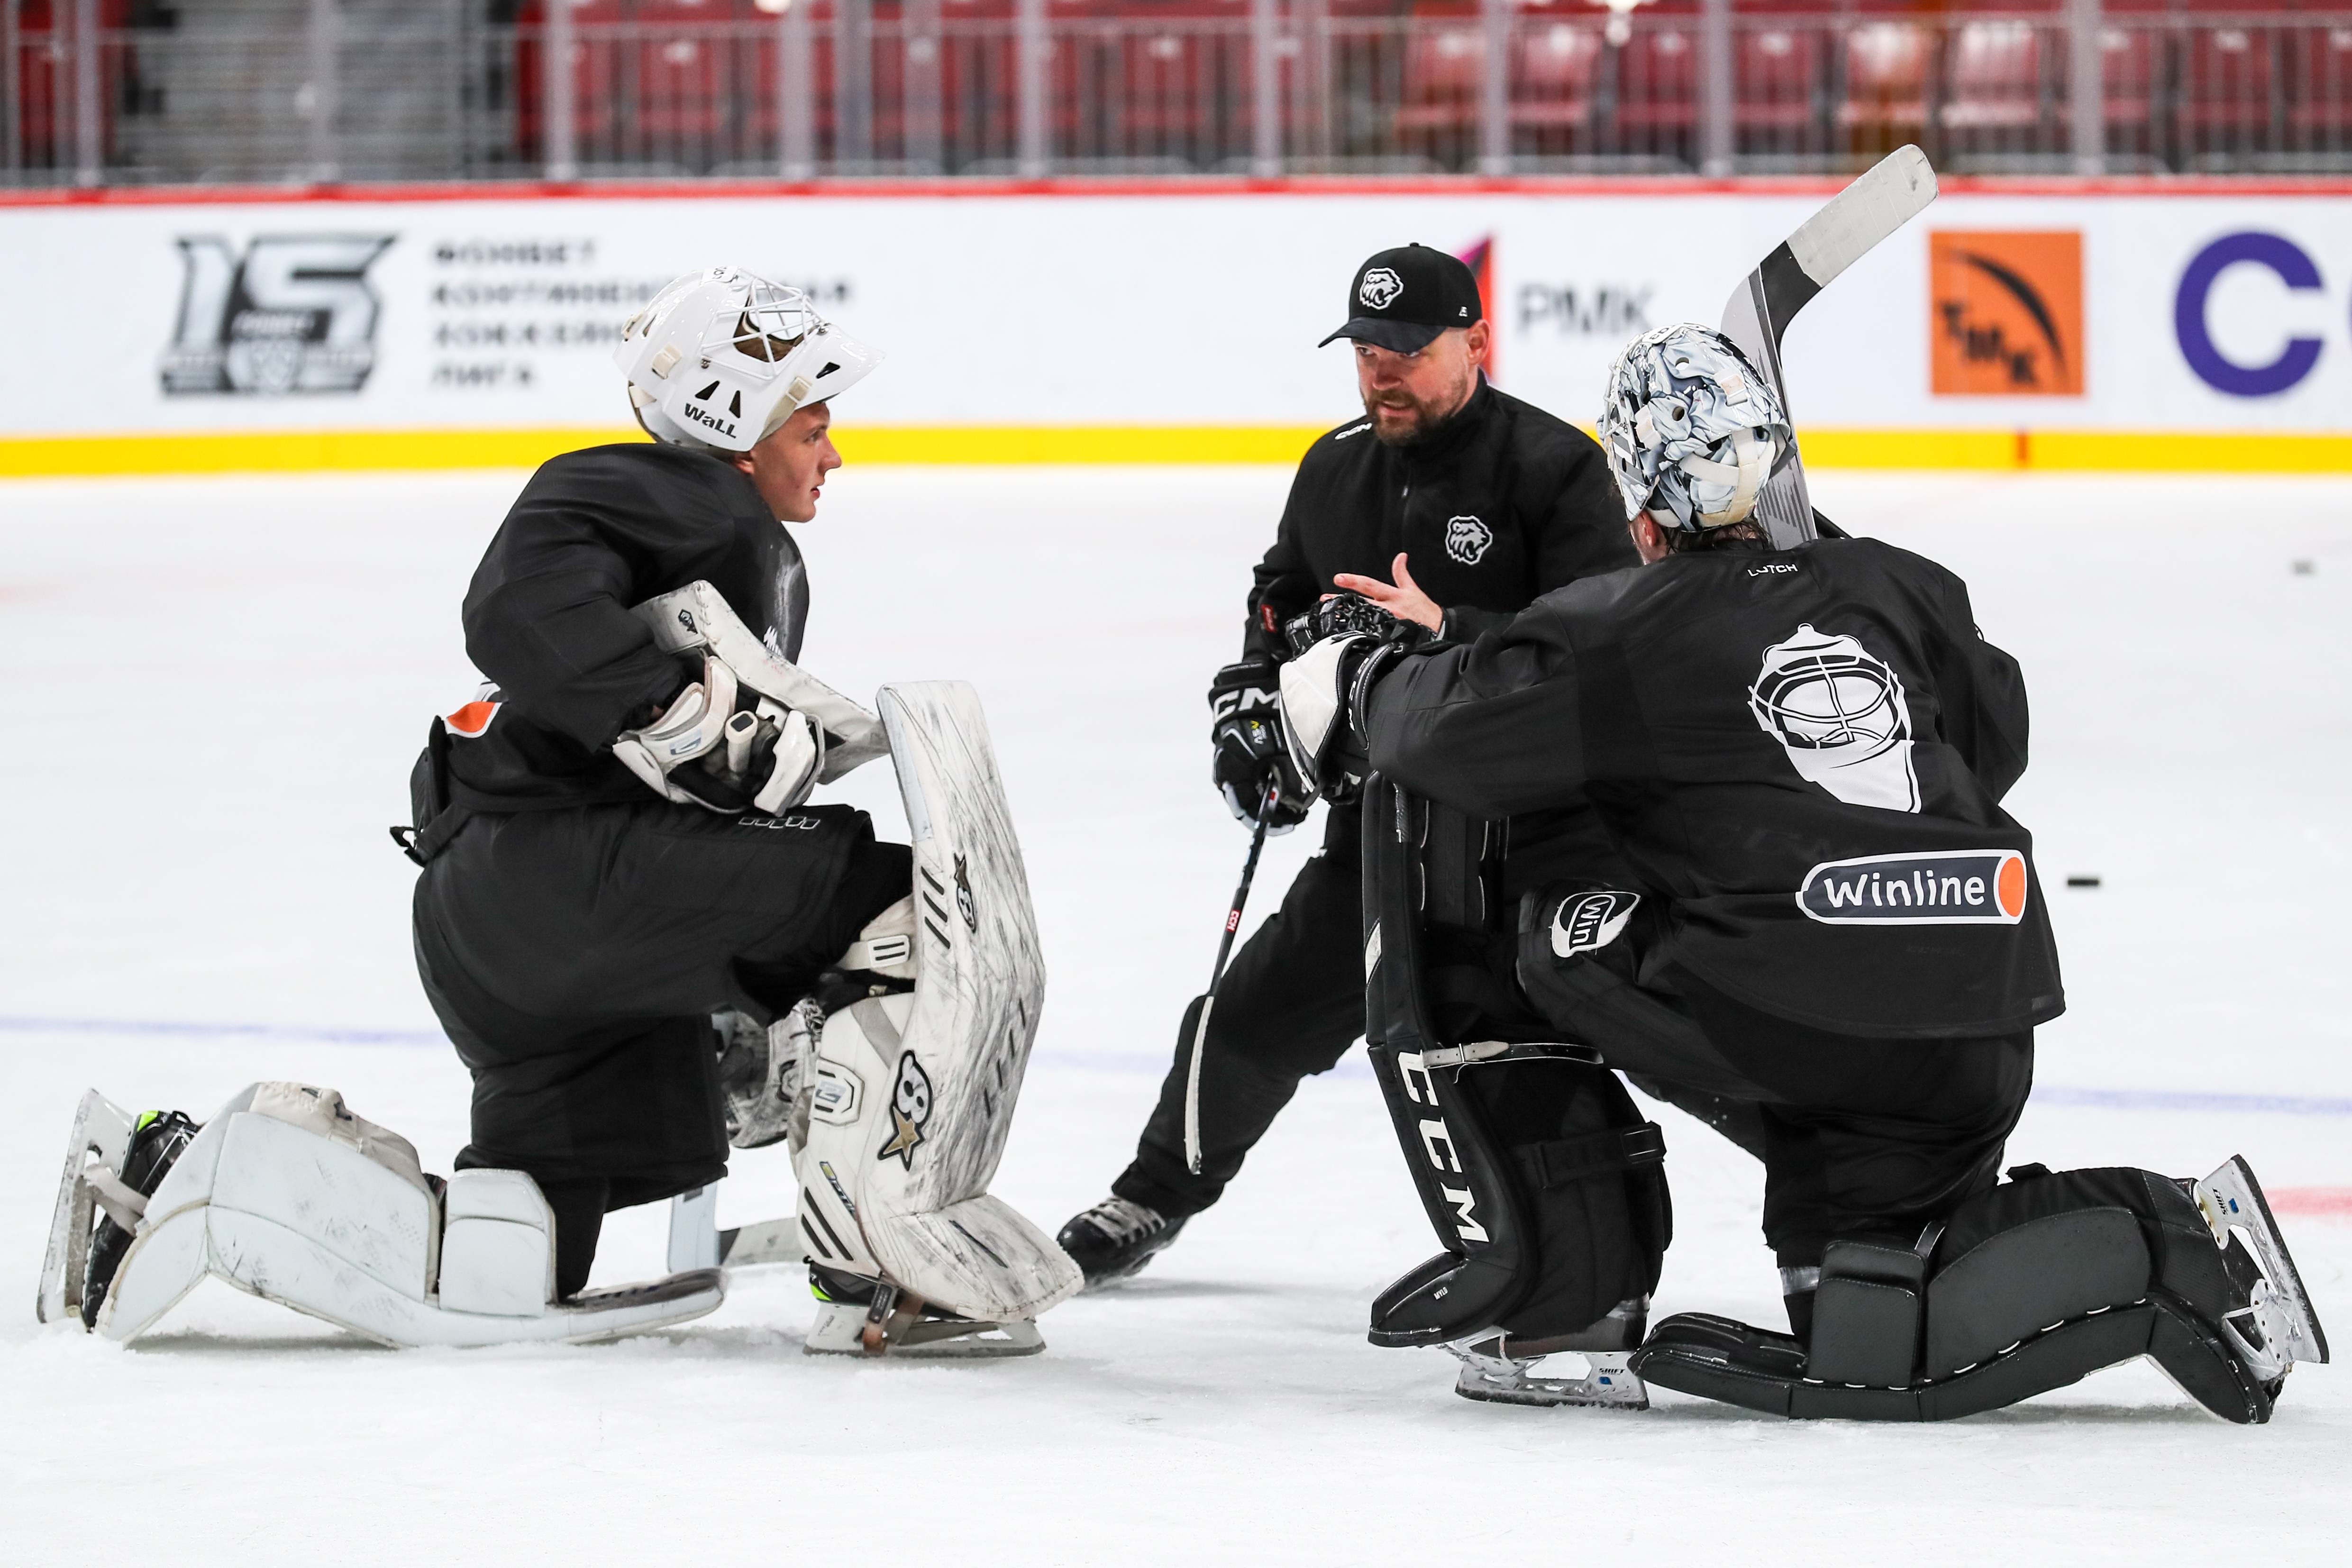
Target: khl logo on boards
{"points": [[292, 314]]}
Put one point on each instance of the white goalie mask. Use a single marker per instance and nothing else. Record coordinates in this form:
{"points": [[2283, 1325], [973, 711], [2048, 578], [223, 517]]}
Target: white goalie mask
{"points": [[723, 357], [1691, 430]]}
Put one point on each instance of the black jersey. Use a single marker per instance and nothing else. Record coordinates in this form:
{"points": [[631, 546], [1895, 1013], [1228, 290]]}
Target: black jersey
{"points": [[548, 615], [1499, 504], [1802, 753]]}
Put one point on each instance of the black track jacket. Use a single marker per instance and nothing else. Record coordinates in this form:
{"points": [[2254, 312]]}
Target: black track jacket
{"points": [[547, 617], [1800, 753], [1503, 502]]}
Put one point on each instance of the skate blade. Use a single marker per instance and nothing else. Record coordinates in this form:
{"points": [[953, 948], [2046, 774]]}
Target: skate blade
{"points": [[2232, 1199], [1610, 1385], [839, 1331]]}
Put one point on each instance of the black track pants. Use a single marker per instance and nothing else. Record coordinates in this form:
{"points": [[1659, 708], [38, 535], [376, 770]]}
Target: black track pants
{"points": [[575, 956], [1858, 1135], [1291, 1003]]}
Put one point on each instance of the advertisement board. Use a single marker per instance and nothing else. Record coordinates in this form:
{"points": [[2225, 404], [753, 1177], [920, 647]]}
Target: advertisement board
{"points": [[2079, 328]]}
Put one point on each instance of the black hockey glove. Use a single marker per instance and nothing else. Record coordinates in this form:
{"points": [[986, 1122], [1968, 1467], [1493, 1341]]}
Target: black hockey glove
{"points": [[1250, 759]]}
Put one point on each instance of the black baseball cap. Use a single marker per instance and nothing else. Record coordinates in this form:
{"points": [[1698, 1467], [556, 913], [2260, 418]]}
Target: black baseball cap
{"points": [[1402, 298]]}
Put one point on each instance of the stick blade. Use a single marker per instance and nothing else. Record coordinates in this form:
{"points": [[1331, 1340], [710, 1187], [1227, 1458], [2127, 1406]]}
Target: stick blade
{"points": [[1890, 193]]}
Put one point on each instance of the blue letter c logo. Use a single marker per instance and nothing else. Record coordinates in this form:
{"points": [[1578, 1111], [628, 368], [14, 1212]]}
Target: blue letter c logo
{"points": [[2295, 268]]}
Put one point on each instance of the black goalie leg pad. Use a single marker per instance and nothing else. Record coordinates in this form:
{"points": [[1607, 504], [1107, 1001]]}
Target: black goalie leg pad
{"points": [[1545, 1235], [2029, 1288], [1465, 1184], [1542, 1180]]}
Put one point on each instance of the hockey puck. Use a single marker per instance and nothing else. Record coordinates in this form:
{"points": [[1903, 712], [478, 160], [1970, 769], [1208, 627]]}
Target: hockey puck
{"points": [[2306, 568], [2081, 881]]}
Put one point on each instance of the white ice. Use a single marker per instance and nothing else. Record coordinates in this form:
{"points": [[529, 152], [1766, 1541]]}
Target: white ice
{"points": [[213, 689]]}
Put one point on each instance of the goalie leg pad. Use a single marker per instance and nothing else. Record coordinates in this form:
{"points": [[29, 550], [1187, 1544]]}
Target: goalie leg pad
{"points": [[287, 1195], [2028, 1288], [911, 1094], [1543, 1183]]}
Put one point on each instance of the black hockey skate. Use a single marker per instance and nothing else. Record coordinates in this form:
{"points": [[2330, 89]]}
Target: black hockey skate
{"points": [[157, 1141], [1114, 1239], [857, 1316]]}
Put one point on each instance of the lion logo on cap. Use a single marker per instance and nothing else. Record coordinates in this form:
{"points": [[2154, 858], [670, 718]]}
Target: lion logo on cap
{"points": [[1380, 288]]}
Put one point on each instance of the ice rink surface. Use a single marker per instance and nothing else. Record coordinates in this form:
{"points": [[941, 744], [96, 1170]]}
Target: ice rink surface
{"points": [[216, 688]]}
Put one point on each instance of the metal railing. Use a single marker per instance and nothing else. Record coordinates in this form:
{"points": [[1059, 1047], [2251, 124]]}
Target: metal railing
{"points": [[110, 91]]}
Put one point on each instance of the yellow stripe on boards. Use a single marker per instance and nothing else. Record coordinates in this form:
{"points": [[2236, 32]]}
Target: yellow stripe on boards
{"points": [[288, 451], [293, 451]]}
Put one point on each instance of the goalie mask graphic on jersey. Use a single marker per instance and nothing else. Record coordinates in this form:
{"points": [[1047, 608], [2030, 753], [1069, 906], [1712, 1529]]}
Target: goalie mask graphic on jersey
{"points": [[1840, 715]]}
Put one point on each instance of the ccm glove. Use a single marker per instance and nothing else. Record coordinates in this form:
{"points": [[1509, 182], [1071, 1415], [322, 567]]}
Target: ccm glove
{"points": [[1249, 757], [703, 751]]}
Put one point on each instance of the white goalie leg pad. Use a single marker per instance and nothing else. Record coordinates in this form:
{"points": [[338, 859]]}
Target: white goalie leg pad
{"points": [[286, 1195], [911, 1095], [695, 618]]}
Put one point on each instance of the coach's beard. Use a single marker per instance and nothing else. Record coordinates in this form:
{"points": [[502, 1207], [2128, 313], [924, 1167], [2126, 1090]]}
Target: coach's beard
{"points": [[1426, 416]]}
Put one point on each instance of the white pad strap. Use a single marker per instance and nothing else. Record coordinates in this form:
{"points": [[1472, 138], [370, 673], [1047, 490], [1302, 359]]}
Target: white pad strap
{"points": [[887, 945]]}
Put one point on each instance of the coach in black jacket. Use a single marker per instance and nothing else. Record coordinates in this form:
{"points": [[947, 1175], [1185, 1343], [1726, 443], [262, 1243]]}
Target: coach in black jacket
{"points": [[1486, 501]]}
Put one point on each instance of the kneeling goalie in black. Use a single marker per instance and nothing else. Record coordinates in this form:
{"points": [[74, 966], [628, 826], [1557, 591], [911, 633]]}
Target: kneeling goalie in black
{"points": [[1830, 924]]}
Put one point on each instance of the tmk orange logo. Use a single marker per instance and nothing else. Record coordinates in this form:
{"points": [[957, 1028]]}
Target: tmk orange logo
{"points": [[2005, 314]]}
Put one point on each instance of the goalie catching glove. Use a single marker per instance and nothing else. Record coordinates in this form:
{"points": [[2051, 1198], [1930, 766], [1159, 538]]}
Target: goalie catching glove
{"points": [[1324, 689], [705, 751]]}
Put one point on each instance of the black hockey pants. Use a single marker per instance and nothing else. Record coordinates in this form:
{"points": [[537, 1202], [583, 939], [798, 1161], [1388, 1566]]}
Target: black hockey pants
{"points": [[1291, 1003], [1859, 1136], [575, 956]]}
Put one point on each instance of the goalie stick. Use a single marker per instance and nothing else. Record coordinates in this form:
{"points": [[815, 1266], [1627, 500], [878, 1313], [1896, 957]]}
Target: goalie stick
{"points": [[1893, 191]]}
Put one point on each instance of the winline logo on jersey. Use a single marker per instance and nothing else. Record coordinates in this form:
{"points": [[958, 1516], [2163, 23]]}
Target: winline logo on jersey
{"points": [[1966, 886]]}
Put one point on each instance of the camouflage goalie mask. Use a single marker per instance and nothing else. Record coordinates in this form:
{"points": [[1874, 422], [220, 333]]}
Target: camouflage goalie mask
{"points": [[1691, 430]]}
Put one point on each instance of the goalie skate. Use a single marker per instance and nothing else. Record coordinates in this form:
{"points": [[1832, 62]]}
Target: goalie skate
{"points": [[2278, 1327], [866, 1317], [96, 1149], [1606, 1384]]}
